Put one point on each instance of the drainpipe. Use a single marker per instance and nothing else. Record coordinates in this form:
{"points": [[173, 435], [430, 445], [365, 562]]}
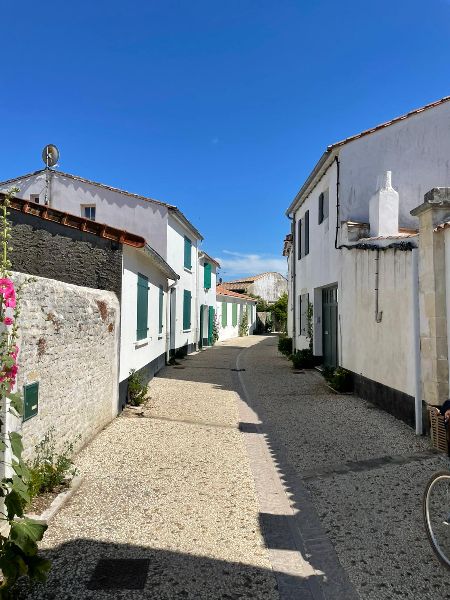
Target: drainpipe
{"points": [[338, 183], [416, 337], [294, 302], [170, 289], [378, 314]]}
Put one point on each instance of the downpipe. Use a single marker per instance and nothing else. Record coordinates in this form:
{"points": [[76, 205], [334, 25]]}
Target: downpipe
{"points": [[416, 337]]}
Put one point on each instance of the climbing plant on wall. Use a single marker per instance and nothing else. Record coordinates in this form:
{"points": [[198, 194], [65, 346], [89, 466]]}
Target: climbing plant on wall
{"points": [[243, 326], [18, 534]]}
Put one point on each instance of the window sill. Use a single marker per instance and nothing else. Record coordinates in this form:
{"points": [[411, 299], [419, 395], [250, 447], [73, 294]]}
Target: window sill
{"points": [[187, 330], [160, 337], [143, 342], [188, 270]]}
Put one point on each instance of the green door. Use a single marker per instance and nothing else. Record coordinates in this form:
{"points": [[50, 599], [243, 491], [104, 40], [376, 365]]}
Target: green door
{"points": [[200, 342], [210, 325], [330, 327]]}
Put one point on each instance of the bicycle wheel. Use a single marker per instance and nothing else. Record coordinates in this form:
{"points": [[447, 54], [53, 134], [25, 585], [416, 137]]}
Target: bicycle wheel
{"points": [[436, 514]]}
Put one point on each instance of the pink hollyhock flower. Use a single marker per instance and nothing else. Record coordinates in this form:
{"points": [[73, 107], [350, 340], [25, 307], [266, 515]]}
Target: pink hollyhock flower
{"points": [[8, 292], [8, 321]]}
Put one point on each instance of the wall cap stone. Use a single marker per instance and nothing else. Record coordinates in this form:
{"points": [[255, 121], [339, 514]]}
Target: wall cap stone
{"points": [[437, 198]]}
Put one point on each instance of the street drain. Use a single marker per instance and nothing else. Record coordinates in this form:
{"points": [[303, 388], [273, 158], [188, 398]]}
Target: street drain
{"points": [[238, 370], [298, 372], [179, 367], [119, 574]]}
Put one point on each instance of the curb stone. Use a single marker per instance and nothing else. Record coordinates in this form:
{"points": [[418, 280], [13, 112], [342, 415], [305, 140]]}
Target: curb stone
{"points": [[60, 500]]}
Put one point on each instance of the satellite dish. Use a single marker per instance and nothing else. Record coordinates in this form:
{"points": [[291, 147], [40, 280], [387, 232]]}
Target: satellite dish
{"points": [[50, 155]]}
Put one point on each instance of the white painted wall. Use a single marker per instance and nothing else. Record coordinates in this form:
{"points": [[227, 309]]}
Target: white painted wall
{"points": [[136, 354], [188, 280], [232, 331], [269, 287], [135, 215]]}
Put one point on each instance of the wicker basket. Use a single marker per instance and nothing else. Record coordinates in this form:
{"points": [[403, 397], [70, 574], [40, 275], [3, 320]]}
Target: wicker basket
{"points": [[438, 431]]}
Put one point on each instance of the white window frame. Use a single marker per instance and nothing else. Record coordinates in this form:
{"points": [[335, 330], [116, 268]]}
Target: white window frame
{"points": [[83, 210]]}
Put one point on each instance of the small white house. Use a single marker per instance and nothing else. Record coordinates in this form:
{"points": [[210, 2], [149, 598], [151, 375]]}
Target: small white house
{"points": [[163, 225], [231, 308], [145, 321], [207, 281]]}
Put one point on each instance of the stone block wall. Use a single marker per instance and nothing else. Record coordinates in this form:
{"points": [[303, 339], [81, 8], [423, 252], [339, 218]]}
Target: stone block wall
{"points": [[69, 344]]}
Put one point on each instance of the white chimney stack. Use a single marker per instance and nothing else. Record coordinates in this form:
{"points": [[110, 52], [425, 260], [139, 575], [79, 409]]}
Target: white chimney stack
{"points": [[383, 209]]}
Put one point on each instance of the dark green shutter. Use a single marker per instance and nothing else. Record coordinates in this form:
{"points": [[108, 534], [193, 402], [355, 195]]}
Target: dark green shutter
{"points": [[207, 276], [224, 313], [299, 239], [234, 314], [30, 400], [187, 310], [142, 307], [187, 253], [211, 325], [320, 208], [161, 305], [306, 232]]}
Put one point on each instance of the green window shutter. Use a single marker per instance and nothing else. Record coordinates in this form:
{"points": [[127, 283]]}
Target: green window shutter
{"points": [[30, 400], [161, 306], [211, 325], [187, 253], [234, 314], [306, 232], [142, 307], [207, 276], [224, 313], [187, 309]]}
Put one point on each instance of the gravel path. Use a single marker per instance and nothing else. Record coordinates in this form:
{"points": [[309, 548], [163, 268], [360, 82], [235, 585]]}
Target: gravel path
{"points": [[172, 488], [365, 472]]}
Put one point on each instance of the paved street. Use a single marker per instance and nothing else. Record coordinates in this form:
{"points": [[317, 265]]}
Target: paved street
{"points": [[245, 480]]}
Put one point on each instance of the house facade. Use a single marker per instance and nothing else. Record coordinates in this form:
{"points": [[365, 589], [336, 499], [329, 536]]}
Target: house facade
{"points": [[231, 308], [268, 286], [170, 233], [354, 253], [207, 281]]}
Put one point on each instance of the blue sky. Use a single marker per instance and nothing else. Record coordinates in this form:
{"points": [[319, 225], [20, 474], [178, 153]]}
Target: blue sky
{"points": [[221, 108]]}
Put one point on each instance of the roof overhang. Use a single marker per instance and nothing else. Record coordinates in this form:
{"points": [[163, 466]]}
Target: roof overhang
{"points": [[178, 215], [160, 263]]}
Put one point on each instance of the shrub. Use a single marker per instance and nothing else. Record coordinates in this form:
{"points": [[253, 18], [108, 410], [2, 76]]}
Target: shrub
{"points": [[137, 391], [243, 326], [50, 469], [285, 345], [181, 352], [339, 379], [303, 359]]}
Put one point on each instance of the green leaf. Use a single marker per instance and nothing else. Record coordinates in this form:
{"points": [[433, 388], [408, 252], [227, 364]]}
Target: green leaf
{"points": [[2, 446], [16, 443], [38, 568], [16, 402], [25, 533], [7, 362], [12, 565], [14, 505], [22, 470], [20, 487]]}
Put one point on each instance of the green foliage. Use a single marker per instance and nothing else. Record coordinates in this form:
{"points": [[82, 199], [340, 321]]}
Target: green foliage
{"points": [[310, 325], [137, 391], [243, 325], [285, 345], [216, 329], [279, 311], [50, 469], [339, 379], [180, 353], [303, 359], [18, 542]]}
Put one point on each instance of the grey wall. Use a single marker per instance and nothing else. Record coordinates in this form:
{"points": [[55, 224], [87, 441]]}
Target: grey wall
{"points": [[47, 249]]}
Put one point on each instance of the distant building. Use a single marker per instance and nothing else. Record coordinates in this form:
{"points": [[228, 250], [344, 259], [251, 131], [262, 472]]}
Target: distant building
{"points": [[268, 286], [231, 309]]}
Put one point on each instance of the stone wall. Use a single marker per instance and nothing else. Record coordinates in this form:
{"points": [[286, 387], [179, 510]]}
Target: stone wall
{"points": [[48, 249], [69, 344]]}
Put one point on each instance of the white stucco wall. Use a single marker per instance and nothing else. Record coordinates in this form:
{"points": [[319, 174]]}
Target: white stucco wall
{"points": [[134, 354], [232, 331], [382, 352], [416, 150], [269, 287], [69, 340], [188, 280], [135, 215]]}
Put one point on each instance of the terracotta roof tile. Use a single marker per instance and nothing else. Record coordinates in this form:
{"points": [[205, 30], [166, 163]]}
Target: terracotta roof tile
{"points": [[221, 291]]}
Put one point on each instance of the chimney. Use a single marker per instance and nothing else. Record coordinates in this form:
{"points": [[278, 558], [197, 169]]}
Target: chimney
{"points": [[383, 209]]}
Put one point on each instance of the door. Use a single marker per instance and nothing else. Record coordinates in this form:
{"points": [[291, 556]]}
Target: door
{"points": [[200, 342], [330, 327], [211, 325]]}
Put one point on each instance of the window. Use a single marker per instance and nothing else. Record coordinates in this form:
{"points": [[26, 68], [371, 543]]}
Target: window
{"points": [[303, 311], [299, 239], [306, 232], [161, 305], [187, 253], [88, 212], [142, 307], [187, 297], [323, 206], [34, 198], [224, 314], [30, 400], [234, 314], [207, 276]]}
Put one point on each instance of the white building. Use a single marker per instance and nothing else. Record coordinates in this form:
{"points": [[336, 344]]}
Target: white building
{"points": [[268, 286], [353, 256], [231, 308], [163, 225], [207, 281]]}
